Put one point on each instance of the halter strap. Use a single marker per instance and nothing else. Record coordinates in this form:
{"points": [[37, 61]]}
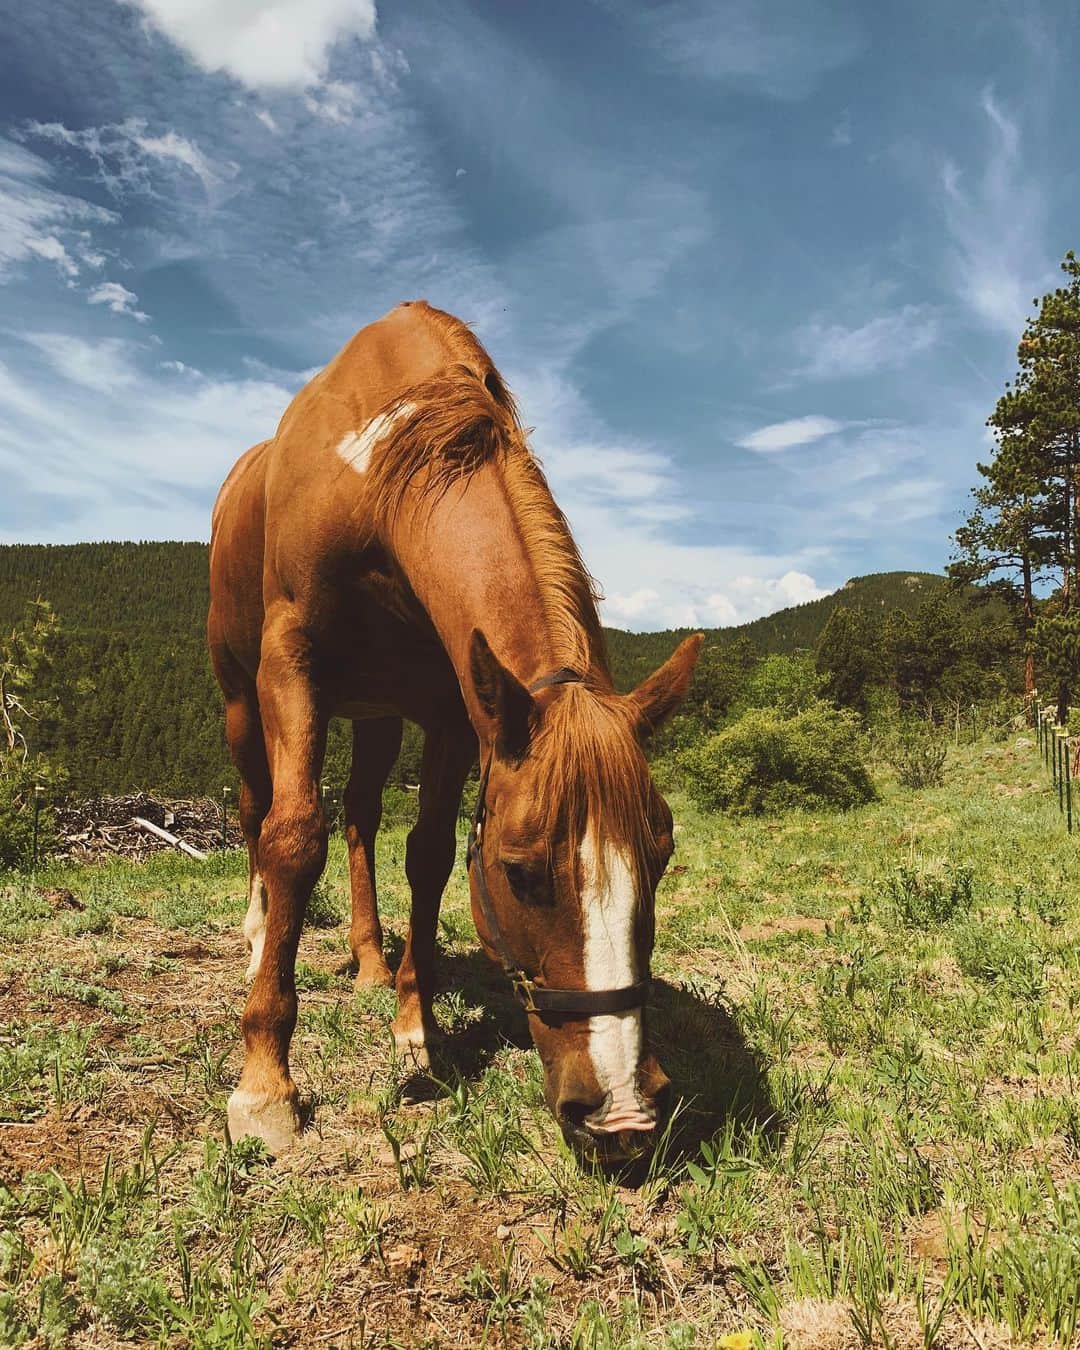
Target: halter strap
{"points": [[533, 997]]}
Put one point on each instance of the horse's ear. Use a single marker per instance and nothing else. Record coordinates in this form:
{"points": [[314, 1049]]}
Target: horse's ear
{"points": [[657, 697], [502, 697]]}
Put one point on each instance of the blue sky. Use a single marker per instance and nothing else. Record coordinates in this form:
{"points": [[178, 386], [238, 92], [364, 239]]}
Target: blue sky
{"points": [[755, 270]]}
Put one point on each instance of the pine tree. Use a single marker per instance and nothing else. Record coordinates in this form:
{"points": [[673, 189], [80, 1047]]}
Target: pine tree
{"points": [[1026, 526], [848, 657]]}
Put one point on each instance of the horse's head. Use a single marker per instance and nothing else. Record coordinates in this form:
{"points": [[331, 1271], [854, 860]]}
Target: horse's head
{"points": [[573, 837]]}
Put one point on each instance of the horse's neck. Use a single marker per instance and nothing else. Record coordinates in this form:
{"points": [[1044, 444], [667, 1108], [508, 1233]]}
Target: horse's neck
{"points": [[467, 563]]}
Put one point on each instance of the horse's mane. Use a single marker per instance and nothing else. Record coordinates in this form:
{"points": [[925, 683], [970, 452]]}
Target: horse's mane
{"points": [[445, 428], [591, 766]]}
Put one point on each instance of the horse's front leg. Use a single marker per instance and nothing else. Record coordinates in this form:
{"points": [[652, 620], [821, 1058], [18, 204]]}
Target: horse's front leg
{"points": [[292, 853], [429, 859]]}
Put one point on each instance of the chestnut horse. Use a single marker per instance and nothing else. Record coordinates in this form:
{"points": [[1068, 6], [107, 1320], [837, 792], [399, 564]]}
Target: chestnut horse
{"points": [[394, 551]]}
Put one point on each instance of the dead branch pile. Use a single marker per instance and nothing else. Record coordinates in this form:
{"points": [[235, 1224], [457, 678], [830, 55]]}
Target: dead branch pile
{"points": [[105, 826]]}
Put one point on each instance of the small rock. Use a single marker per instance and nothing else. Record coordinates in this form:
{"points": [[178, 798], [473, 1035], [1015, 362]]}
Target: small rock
{"points": [[405, 1262], [502, 1232]]}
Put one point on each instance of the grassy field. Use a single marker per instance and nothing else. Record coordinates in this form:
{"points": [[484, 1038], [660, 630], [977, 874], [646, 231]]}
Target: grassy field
{"points": [[871, 1020]]}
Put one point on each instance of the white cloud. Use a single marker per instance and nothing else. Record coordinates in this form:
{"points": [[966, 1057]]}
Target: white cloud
{"points": [[785, 435], [37, 222], [119, 299], [333, 101], [267, 119], [263, 44], [996, 218], [52, 250], [831, 350], [125, 151], [142, 459], [105, 365], [782, 48]]}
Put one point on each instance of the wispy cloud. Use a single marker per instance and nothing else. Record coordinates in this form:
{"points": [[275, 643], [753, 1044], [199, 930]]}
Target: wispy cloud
{"points": [[786, 435], [284, 45], [118, 299], [834, 351], [996, 217], [782, 48], [127, 152], [105, 366], [38, 222], [151, 449]]}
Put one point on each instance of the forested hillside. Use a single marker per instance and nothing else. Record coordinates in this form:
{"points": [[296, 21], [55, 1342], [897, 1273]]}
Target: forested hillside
{"points": [[133, 702]]}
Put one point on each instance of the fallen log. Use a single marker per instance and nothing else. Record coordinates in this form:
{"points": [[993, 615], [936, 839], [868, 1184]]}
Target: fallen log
{"points": [[173, 839]]}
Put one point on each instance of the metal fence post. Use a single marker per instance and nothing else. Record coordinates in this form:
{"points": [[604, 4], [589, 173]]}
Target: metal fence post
{"points": [[1068, 785], [39, 792], [225, 816], [1058, 742]]}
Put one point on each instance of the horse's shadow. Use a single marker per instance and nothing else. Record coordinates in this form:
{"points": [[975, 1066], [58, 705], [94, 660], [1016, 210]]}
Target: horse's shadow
{"points": [[718, 1080]]}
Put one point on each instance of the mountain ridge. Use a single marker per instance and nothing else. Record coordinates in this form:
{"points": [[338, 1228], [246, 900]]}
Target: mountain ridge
{"points": [[137, 705]]}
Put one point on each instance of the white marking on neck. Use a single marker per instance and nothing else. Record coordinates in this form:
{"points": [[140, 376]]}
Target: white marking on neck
{"points": [[356, 447], [609, 904]]}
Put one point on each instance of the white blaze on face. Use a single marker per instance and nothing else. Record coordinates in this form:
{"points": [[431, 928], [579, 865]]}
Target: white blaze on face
{"points": [[609, 905], [356, 447]]}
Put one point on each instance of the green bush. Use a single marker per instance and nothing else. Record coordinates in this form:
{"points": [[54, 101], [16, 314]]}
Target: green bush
{"points": [[918, 755], [768, 762], [17, 783], [929, 898], [1005, 955], [787, 684]]}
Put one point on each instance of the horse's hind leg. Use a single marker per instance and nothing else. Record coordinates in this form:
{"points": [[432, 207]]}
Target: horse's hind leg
{"points": [[429, 858], [375, 746], [244, 734]]}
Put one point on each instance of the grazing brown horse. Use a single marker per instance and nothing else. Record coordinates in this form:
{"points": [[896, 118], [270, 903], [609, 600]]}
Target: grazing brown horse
{"points": [[394, 551]]}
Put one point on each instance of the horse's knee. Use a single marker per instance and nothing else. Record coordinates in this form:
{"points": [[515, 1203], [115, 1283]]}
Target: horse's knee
{"points": [[292, 846], [429, 854]]}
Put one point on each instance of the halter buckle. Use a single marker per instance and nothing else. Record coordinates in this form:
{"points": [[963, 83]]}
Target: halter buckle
{"points": [[523, 991]]}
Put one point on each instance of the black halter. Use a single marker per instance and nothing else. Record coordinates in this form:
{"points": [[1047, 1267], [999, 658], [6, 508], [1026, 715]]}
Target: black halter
{"points": [[535, 998]]}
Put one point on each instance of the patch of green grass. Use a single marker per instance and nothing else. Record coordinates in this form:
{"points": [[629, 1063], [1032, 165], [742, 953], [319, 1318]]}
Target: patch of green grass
{"points": [[43, 1066], [869, 1019]]}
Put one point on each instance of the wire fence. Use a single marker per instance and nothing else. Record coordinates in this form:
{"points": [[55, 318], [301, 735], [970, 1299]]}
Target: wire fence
{"points": [[1060, 752]]}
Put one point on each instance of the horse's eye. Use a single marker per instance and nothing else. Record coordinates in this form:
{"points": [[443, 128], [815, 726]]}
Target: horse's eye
{"points": [[529, 884]]}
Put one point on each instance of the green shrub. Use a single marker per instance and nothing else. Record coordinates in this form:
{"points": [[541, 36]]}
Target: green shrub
{"points": [[918, 756], [768, 762], [1002, 955], [787, 684], [17, 783], [922, 898]]}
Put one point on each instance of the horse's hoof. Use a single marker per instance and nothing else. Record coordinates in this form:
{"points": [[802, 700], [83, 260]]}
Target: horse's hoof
{"points": [[412, 1050], [274, 1120], [370, 975]]}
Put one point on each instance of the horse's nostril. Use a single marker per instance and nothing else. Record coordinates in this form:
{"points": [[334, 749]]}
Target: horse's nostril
{"points": [[574, 1113]]}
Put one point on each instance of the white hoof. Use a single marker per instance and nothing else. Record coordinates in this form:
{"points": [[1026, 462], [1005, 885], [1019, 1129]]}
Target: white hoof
{"points": [[412, 1050], [276, 1121]]}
